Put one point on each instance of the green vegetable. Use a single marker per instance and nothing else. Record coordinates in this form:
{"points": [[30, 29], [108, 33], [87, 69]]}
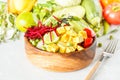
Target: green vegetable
{"points": [[93, 11], [78, 25], [8, 30], [99, 44], [106, 27], [48, 39], [77, 11], [44, 10], [111, 37], [113, 31], [67, 3], [33, 42]]}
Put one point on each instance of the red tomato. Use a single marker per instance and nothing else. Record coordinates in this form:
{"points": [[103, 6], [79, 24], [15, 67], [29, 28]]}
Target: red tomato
{"points": [[112, 13]]}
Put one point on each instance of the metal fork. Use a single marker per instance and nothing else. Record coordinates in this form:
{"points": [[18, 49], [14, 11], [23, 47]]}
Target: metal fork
{"points": [[108, 52]]}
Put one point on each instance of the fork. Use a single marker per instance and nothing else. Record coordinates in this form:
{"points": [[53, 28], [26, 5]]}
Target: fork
{"points": [[107, 53]]}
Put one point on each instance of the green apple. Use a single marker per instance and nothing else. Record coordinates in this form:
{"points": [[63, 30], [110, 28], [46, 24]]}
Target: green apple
{"points": [[24, 21]]}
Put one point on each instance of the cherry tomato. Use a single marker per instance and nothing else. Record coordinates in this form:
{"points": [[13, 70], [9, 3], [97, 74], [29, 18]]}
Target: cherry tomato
{"points": [[112, 13]]}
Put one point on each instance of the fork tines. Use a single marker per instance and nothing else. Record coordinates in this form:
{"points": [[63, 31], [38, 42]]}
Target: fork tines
{"points": [[111, 46]]}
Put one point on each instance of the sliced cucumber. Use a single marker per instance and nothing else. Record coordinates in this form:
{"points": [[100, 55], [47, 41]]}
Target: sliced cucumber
{"points": [[77, 11], [40, 45], [66, 3], [48, 39]]}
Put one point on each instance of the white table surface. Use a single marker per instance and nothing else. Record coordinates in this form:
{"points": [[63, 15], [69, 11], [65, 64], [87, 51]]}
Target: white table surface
{"points": [[14, 64]]}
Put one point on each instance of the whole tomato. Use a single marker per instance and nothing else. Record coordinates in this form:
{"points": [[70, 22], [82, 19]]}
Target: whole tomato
{"points": [[112, 13]]}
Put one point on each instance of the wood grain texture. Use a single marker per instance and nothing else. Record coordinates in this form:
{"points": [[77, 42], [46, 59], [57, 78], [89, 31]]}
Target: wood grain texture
{"points": [[60, 62]]}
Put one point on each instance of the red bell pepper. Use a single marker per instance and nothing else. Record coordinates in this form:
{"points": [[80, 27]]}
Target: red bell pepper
{"points": [[88, 42]]}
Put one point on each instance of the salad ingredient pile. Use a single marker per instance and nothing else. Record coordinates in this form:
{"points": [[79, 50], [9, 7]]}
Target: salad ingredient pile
{"points": [[61, 38]]}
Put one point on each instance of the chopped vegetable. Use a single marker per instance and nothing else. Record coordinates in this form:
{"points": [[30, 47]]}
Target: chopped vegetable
{"points": [[111, 37], [88, 42], [90, 33], [39, 31], [99, 44]]}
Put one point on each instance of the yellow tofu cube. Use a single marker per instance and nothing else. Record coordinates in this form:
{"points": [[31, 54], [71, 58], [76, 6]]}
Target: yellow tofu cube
{"points": [[67, 28], [68, 44], [65, 37], [79, 48], [78, 39], [83, 33], [71, 33], [61, 30], [70, 49], [62, 47], [52, 47]]}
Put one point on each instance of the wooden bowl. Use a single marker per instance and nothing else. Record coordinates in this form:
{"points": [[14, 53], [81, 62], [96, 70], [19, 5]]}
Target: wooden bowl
{"points": [[60, 62]]}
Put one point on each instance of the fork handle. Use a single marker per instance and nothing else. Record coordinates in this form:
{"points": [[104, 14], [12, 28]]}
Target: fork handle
{"points": [[96, 66], [93, 70]]}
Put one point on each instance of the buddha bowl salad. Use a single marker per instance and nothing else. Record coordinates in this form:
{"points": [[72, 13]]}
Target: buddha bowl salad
{"points": [[58, 29], [64, 37]]}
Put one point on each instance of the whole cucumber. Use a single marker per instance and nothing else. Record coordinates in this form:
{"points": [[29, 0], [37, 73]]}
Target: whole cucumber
{"points": [[93, 11]]}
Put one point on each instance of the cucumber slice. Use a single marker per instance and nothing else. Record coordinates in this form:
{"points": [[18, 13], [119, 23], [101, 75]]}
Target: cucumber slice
{"points": [[77, 11], [40, 45], [66, 3], [48, 40]]}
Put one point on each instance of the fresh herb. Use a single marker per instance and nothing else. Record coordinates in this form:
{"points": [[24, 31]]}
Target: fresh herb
{"points": [[44, 11], [8, 30]]}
